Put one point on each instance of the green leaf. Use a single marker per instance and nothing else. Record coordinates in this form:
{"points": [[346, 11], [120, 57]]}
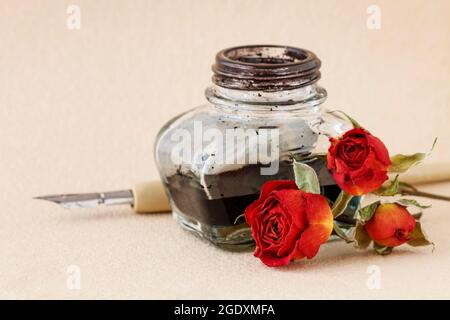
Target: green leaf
{"points": [[411, 202], [354, 123], [362, 238], [418, 237], [306, 178], [341, 233], [341, 203], [401, 163], [382, 250], [366, 213], [389, 190]]}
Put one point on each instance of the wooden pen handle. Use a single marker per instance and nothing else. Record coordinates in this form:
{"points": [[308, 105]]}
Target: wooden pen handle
{"points": [[150, 197]]}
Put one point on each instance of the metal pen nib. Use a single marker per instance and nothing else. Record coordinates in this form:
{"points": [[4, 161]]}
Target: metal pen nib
{"points": [[90, 200], [144, 197]]}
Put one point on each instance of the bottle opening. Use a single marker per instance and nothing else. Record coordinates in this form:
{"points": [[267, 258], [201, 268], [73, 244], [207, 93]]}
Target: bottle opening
{"points": [[265, 68]]}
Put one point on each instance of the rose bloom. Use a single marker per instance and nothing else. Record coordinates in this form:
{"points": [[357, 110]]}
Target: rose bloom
{"points": [[391, 225], [288, 223], [359, 161]]}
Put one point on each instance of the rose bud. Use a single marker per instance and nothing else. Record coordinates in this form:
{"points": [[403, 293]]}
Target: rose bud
{"points": [[390, 225], [358, 161], [288, 223]]}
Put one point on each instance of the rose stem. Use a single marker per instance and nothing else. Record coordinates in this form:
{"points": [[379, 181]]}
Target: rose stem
{"points": [[424, 195]]}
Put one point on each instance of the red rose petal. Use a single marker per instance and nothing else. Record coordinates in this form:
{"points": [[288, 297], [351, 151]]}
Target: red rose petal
{"points": [[311, 240], [292, 202], [387, 220], [274, 261], [380, 150], [282, 217], [273, 185], [359, 161], [320, 220]]}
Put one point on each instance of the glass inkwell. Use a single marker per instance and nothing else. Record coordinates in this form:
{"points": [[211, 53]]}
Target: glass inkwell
{"points": [[264, 108]]}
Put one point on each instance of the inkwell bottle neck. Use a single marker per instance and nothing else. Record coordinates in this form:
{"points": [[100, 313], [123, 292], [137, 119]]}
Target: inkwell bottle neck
{"points": [[266, 78]]}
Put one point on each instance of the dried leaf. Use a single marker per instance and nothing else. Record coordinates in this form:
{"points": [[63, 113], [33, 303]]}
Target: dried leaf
{"points": [[389, 190], [418, 237], [401, 163], [411, 202], [306, 178], [362, 238], [341, 233], [341, 203], [366, 213]]}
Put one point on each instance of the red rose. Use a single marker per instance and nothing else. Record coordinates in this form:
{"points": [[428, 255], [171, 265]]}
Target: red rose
{"points": [[390, 225], [359, 161], [288, 223]]}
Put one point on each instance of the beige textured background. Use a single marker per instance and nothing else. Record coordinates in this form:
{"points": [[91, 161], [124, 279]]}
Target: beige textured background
{"points": [[79, 110]]}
